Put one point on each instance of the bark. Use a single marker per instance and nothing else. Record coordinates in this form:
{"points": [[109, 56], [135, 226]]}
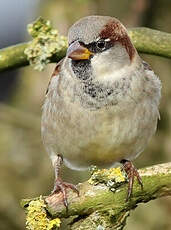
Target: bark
{"points": [[144, 39], [102, 206]]}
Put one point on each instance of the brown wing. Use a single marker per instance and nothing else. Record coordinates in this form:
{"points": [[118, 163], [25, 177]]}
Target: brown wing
{"points": [[55, 72]]}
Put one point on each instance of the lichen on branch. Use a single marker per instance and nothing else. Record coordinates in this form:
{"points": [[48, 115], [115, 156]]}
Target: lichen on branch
{"points": [[46, 43], [112, 178], [37, 217], [100, 207]]}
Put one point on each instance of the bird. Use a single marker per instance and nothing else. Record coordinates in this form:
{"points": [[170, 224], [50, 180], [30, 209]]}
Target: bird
{"points": [[102, 102]]}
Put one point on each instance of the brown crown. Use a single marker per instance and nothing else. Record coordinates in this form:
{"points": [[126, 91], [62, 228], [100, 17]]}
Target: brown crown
{"points": [[117, 33]]}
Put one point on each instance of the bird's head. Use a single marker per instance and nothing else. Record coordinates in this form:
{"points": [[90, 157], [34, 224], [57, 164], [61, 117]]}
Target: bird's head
{"points": [[101, 41]]}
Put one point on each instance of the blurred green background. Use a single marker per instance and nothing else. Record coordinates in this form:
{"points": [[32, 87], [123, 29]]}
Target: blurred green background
{"points": [[25, 169]]}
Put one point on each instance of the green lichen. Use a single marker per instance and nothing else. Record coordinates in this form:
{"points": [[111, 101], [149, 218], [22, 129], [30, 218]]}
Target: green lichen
{"points": [[37, 218], [112, 178], [46, 44], [101, 220]]}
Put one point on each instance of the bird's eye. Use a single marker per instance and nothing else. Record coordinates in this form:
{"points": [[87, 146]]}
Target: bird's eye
{"points": [[101, 44]]}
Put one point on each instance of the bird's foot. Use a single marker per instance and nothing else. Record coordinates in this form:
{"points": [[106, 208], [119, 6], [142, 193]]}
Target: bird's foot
{"points": [[131, 172], [60, 186]]}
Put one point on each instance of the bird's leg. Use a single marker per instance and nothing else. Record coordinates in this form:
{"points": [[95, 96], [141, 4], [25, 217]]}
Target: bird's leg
{"points": [[131, 172], [59, 185]]}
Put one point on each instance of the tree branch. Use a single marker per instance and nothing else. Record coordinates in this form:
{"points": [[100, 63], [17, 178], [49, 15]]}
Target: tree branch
{"points": [[144, 39], [13, 57], [151, 41], [98, 207]]}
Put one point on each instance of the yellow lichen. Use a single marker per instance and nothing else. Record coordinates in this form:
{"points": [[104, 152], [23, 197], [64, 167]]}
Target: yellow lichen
{"points": [[54, 223], [37, 218], [111, 177], [46, 43]]}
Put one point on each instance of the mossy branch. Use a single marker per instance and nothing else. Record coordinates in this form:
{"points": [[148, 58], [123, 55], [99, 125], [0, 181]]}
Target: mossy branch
{"points": [[101, 204], [13, 57], [47, 46], [151, 41]]}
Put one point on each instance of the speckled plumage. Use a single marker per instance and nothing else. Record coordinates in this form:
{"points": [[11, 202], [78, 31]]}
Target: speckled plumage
{"points": [[109, 115]]}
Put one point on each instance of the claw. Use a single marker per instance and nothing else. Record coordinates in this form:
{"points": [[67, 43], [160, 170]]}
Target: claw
{"points": [[60, 186], [131, 172]]}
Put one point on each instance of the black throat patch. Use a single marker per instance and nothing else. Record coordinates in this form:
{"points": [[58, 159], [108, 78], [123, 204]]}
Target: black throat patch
{"points": [[82, 70], [94, 94]]}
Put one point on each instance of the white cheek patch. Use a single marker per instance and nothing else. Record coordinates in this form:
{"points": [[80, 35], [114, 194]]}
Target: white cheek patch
{"points": [[108, 65], [99, 65], [104, 66]]}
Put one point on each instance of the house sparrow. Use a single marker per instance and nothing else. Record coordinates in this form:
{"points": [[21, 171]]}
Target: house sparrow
{"points": [[101, 105]]}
